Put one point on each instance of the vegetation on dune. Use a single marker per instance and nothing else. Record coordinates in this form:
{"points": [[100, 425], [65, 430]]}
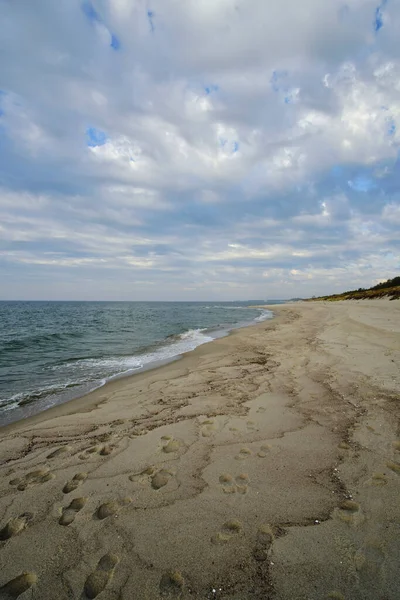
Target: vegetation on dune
{"points": [[388, 289]]}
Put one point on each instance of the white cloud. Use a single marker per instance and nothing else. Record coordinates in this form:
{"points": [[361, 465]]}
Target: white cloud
{"points": [[241, 146]]}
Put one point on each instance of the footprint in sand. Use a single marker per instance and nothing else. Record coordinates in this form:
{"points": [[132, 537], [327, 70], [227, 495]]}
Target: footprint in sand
{"points": [[378, 479], [99, 579], [264, 450], [229, 530], [18, 586], [60, 451], [344, 446], [264, 540], [171, 584], [372, 429], [15, 526], [369, 562], [172, 445], [208, 428], [69, 513], [261, 409], [394, 466], [107, 449], [251, 425], [143, 476], [231, 485], [157, 478], [105, 437], [91, 450], [243, 454], [139, 430], [103, 450], [111, 508], [349, 512], [161, 478], [228, 484], [242, 481], [32, 478], [75, 482]]}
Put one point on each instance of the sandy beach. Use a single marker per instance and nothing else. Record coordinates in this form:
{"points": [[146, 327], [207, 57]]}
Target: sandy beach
{"points": [[262, 465]]}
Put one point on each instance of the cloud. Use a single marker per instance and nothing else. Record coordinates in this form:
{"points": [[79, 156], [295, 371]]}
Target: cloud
{"points": [[198, 150]]}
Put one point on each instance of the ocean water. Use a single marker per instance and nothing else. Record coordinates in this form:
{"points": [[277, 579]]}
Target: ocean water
{"points": [[51, 352]]}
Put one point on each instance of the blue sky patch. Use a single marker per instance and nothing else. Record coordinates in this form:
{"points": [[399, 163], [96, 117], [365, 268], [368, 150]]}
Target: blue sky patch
{"points": [[277, 80], [92, 15], [95, 137], [362, 183], [337, 171], [280, 84], [150, 17], [90, 12], [115, 43], [211, 88], [391, 127], [378, 22]]}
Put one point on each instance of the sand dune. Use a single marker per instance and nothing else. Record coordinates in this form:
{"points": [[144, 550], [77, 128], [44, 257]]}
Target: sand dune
{"points": [[261, 465]]}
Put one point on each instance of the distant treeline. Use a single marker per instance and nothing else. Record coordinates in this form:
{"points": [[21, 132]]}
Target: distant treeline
{"points": [[389, 288], [387, 284]]}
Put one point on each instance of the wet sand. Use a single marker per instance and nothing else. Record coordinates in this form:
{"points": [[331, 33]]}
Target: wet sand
{"points": [[262, 465]]}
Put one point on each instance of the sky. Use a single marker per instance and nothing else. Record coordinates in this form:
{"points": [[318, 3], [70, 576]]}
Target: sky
{"points": [[198, 149]]}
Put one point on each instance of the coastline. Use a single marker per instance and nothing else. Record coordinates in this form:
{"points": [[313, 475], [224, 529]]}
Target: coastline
{"points": [[158, 353], [90, 399], [264, 464]]}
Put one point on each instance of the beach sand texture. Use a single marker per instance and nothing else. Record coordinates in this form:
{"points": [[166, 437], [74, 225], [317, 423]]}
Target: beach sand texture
{"points": [[262, 465]]}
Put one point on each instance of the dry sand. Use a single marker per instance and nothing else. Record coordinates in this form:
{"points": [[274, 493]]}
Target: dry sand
{"points": [[262, 465]]}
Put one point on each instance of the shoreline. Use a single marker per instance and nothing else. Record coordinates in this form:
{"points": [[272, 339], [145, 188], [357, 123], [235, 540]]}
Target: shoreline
{"points": [[74, 405], [263, 465], [154, 364]]}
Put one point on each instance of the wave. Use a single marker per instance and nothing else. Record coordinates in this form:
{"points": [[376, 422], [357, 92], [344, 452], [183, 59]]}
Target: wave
{"points": [[173, 347], [24, 398], [245, 307], [40, 340], [264, 316], [95, 372], [76, 376]]}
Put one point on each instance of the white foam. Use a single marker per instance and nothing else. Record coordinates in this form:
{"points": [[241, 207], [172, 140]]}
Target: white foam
{"points": [[231, 307], [95, 372], [264, 316], [15, 400], [185, 342], [8, 404]]}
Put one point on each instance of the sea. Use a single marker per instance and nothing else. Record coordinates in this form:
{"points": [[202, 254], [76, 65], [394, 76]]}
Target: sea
{"points": [[52, 352]]}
